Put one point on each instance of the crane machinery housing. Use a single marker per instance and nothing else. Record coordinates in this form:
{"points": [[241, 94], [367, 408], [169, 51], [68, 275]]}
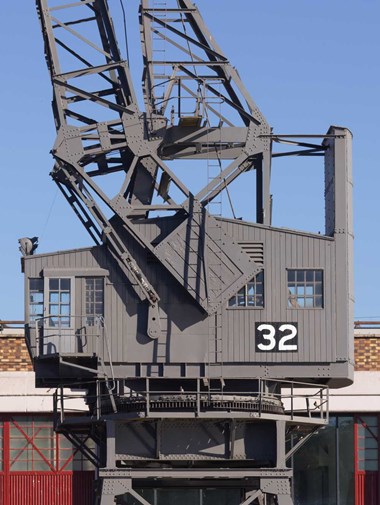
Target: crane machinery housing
{"points": [[201, 343]]}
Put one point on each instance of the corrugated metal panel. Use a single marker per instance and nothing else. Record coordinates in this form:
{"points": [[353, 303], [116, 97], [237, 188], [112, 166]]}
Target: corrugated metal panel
{"points": [[49, 489], [83, 488], [3, 491], [366, 488]]}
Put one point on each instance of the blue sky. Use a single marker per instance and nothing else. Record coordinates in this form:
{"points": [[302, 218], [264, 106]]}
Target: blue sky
{"points": [[307, 64]]}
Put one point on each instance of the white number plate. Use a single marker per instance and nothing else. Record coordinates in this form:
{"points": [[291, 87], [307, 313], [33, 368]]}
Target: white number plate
{"points": [[276, 337]]}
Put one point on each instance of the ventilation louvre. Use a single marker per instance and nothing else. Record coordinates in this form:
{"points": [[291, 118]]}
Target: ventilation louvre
{"points": [[255, 251]]}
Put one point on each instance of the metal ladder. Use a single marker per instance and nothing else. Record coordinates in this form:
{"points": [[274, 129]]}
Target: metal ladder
{"points": [[215, 208], [159, 53]]}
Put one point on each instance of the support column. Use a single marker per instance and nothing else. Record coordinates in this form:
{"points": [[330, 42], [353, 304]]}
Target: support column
{"points": [[279, 487]]}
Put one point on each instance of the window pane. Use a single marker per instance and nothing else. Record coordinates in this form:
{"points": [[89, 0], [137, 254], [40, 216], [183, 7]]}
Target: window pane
{"points": [[250, 301], [53, 309], [318, 301], [318, 275], [370, 421], [370, 454], [251, 295], [36, 284], [65, 322], [53, 284], [300, 275], [307, 291], [40, 466], [372, 466], [300, 290], [250, 289], [19, 443], [301, 302], [36, 297], [94, 299], [36, 310], [65, 297], [60, 302], [259, 301], [371, 443], [19, 465], [65, 310], [65, 284], [309, 302], [318, 288], [309, 275], [54, 296], [99, 283]]}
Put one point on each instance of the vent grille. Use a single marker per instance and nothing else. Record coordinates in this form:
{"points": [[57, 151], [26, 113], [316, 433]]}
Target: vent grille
{"points": [[255, 251]]}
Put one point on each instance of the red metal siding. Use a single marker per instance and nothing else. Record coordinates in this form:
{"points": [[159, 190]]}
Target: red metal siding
{"points": [[367, 482], [27, 485], [367, 488], [49, 489], [1, 489], [83, 488]]}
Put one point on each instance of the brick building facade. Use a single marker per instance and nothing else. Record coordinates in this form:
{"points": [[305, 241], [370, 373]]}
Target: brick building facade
{"points": [[37, 465], [14, 356], [367, 349]]}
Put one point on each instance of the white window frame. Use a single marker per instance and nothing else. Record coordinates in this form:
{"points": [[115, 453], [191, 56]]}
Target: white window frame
{"points": [[47, 302]]}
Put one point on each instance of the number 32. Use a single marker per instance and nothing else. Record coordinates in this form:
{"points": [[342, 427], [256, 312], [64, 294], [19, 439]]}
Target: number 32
{"points": [[275, 337]]}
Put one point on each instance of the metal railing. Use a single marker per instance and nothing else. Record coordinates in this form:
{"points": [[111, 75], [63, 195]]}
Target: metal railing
{"points": [[11, 324], [69, 334], [294, 400]]}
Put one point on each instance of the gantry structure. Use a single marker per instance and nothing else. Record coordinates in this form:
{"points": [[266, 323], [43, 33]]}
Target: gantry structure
{"points": [[204, 343]]}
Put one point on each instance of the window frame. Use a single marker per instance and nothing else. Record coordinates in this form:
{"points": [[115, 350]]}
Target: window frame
{"points": [[306, 296], [47, 314], [32, 317], [86, 316], [246, 306]]}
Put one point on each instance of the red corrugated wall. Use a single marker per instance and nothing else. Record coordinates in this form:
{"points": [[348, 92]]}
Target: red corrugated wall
{"points": [[367, 488], [26, 488]]}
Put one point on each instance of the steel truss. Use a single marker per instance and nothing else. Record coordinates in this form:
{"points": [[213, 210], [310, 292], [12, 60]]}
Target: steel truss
{"points": [[196, 108]]}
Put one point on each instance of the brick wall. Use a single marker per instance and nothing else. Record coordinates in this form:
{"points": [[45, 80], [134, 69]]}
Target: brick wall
{"points": [[367, 353], [14, 356]]}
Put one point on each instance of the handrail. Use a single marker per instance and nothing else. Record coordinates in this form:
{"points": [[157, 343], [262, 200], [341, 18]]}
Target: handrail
{"points": [[297, 403], [64, 332], [11, 324]]}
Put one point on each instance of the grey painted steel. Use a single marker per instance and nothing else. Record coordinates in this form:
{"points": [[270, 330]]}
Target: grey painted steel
{"points": [[323, 344], [168, 336]]}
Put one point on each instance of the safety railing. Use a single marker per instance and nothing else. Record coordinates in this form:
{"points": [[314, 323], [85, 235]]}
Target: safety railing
{"points": [[294, 400], [69, 335]]}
